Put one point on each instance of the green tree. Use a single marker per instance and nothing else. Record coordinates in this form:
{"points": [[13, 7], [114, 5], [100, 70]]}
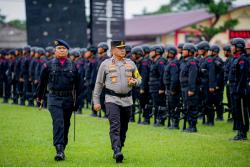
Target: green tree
{"points": [[17, 24], [215, 7], [218, 9], [2, 18]]}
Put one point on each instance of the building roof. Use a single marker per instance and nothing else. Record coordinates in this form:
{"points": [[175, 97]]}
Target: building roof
{"points": [[12, 37], [151, 25], [164, 23]]}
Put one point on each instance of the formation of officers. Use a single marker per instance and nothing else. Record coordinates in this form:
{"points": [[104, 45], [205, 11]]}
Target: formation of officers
{"points": [[186, 82]]}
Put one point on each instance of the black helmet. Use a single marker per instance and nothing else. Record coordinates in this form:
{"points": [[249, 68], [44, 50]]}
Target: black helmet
{"points": [[172, 49], [146, 48], [215, 48], [162, 49], [40, 51], [137, 50], [92, 49], [27, 48], [103, 45], [180, 45], [74, 52], [83, 50], [238, 42], [12, 52], [227, 48], [128, 48], [3, 52], [49, 49], [190, 47], [157, 49], [203, 45], [33, 49], [196, 48]]}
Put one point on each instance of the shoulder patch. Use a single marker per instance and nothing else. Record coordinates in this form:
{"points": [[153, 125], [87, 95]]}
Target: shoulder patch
{"points": [[209, 60], [172, 64], [241, 62], [193, 62], [161, 62]]}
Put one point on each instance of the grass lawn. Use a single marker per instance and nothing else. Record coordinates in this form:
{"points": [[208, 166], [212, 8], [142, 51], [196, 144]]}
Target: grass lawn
{"points": [[26, 140]]}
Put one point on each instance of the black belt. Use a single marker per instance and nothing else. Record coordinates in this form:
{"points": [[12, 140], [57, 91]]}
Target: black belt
{"points": [[113, 93], [61, 93]]}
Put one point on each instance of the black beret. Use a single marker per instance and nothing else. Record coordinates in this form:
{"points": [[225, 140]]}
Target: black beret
{"points": [[60, 42], [118, 43]]}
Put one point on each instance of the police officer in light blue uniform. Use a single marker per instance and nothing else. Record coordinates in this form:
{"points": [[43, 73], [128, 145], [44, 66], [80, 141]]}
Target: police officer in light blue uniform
{"points": [[118, 75]]}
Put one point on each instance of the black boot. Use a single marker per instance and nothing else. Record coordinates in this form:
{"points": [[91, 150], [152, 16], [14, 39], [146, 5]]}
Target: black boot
{"points": [[118, 155], [5, 100], [59, 153], [146, 121], [192, 127], [175, 124], [240, 136]]}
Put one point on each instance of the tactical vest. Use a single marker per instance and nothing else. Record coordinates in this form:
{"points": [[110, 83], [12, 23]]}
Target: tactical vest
{"points": [[61, 78]]}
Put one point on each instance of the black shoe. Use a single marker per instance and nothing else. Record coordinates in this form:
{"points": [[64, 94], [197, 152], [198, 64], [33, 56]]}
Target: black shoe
{"points": [[132, 119], [145, 122], [230, 120], [22, 103], [240, 136], [5, 101], [158, 124], [219, 119], [190, 130], [59, 153], [209, 124], [118, 156], [93, 115], [174, 127]]}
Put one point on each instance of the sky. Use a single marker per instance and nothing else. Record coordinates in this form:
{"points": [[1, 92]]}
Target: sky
{"points": [[15, 9]]}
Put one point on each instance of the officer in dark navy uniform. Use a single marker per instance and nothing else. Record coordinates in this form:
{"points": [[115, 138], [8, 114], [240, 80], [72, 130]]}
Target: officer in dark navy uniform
{"points": [[11, 84], [40, 60], [128, 49], [82, 88], [144, 88], [219, 71], [207, 83], [137, 56], [229, 57], [7, 77], [2, 69], [102, 49], [27, 89], [90, 73], [61, 77], [156, 86], [18, 77], [238, 80], [189, 86], [172, 86]]}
